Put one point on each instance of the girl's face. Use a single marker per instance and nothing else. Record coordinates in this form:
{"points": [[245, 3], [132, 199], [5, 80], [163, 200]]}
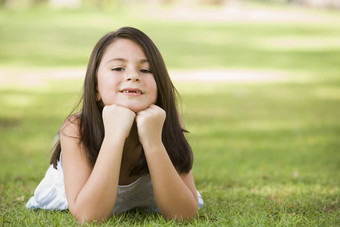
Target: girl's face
{"points": [[124, 77]]}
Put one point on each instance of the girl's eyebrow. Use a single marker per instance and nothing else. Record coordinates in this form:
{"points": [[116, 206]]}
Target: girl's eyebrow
{"points": [[125, 60], [144, 61], [117, 59]]}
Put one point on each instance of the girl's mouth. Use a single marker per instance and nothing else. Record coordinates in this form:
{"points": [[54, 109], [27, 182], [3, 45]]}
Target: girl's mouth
{"points": [[135, 91]]}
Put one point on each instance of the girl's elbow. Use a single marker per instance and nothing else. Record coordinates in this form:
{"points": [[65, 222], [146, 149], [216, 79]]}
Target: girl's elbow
{"points": [[82, 216], [78, 215], [186, 215], [84, 219], [181, 217], [191, 214]]}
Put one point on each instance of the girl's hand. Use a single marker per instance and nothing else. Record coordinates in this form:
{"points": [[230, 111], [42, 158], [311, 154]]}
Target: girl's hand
{"points": [[117, 121], [150, 125]]}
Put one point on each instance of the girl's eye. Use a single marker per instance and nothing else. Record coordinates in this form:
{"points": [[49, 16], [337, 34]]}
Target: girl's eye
{"points": [[145, 71], [118, 69]]}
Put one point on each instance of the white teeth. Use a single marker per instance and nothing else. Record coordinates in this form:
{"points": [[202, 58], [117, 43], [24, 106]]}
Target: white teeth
{"points": [[138, 92]]}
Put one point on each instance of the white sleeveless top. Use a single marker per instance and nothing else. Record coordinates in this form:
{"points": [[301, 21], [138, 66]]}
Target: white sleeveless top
{"points": [[50, 193]]}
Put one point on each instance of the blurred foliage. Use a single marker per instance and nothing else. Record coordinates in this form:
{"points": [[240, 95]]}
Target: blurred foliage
{"points": [[43, 37], [335, 4]]}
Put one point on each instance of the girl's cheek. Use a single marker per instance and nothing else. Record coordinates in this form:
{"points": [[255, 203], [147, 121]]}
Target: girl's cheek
{"points": [[152, 83]]}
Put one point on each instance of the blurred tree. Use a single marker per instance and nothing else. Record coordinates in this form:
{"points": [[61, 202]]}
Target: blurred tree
{"points": [[17, 3], [21, 3], [39, 2], [334, 4], [212, 2], [65, 3], [101, 3]]}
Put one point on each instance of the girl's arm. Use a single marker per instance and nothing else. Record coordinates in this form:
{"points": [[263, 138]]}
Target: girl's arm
{"points": [[92, 191], [175, 193]]}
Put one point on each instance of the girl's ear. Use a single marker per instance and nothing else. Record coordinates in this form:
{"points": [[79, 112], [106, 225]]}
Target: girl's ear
{"points": [[98, 97]]}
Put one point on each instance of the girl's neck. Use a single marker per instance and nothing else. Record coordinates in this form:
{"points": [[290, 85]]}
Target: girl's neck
{"points": [[132, 141], [132, 148], [131, 154]]}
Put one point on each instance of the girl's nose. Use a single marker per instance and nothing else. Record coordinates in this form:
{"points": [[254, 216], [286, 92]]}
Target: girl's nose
{"points": [[132, 76]]}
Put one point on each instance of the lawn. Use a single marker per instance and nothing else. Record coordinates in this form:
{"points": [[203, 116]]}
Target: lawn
{"points": [[266, 153]]}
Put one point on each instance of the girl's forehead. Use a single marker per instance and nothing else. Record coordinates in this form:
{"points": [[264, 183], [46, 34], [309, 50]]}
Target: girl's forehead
{"points": [[124, 47]]}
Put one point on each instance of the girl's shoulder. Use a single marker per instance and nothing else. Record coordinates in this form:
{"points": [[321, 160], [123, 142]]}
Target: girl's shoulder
{"points": [[70, 126]]}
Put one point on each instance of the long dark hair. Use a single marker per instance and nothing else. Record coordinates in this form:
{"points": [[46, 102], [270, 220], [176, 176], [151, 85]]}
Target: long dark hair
{"points": [[91, 128]]}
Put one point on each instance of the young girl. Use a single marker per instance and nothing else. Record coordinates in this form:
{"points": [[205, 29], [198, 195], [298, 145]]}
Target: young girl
{"points": [[125, 149]]}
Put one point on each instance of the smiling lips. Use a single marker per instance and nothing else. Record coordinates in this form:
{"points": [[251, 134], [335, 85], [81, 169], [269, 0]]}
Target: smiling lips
{"points": [[132, 91]]}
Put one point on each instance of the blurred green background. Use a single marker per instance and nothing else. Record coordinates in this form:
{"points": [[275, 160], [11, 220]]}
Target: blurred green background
{"points": [[263, 111]]}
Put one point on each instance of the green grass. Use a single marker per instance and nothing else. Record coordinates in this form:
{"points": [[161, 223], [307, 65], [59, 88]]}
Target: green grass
{"points": [[266, 154]]}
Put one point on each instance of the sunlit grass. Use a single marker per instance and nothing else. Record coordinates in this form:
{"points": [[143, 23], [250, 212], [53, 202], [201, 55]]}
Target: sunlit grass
{"points": [[259, 158]]}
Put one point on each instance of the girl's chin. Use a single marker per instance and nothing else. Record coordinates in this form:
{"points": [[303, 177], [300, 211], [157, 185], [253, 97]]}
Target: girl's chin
{"points": [[135, 106], [136, 109]]}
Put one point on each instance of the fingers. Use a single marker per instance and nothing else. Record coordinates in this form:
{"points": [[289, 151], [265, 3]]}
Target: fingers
{"points": [[117, 120], [152, 107]]}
